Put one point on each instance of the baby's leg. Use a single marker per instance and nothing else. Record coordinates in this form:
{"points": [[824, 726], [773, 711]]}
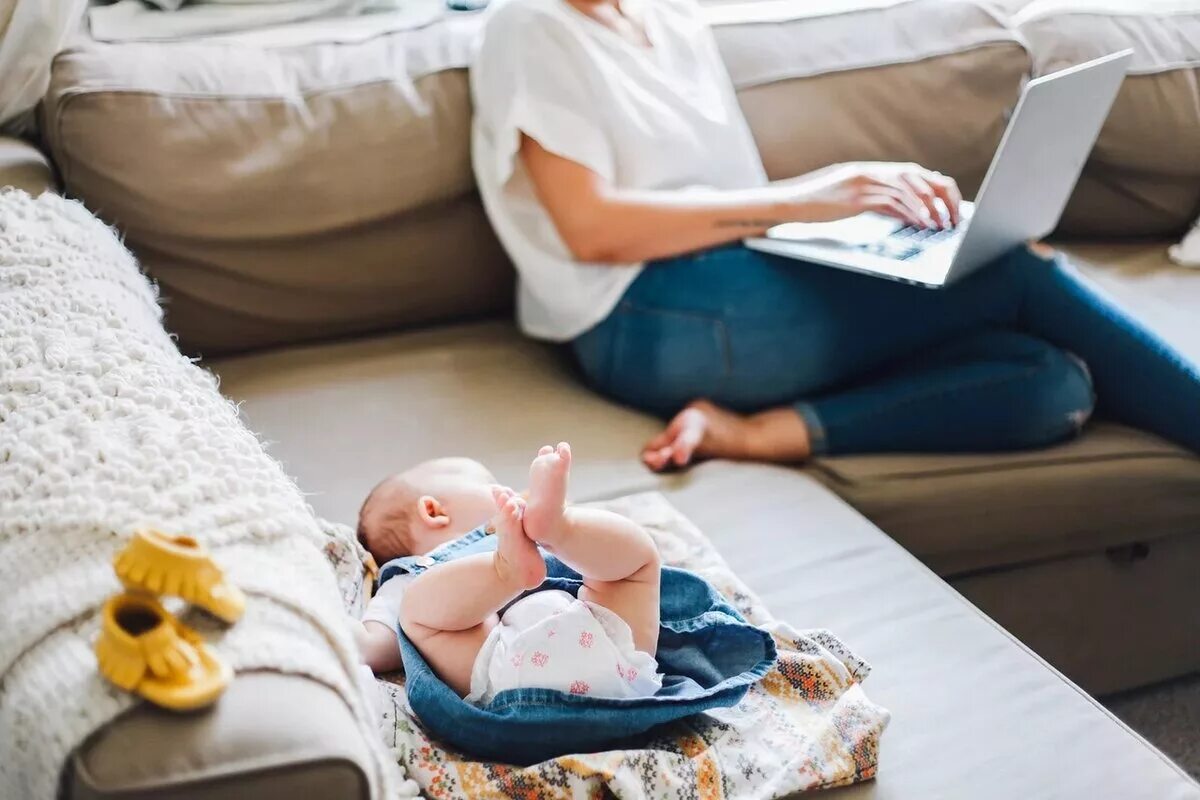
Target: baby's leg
{"points": [[616, 557], [448, 611]]}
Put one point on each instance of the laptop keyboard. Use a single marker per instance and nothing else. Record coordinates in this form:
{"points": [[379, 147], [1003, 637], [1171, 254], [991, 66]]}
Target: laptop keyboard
{"points": [[909, 242]]}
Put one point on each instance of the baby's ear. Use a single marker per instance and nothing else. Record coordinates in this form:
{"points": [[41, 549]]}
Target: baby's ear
{"points": [[431, 512]]}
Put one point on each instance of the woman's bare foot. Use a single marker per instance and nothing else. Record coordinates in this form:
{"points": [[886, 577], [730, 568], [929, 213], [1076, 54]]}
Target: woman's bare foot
{"points": [[518, 559], [548, 476], [703, 430]]}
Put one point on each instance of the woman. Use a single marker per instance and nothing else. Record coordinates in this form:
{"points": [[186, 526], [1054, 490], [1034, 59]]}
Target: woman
{"points": [[620, 175]]}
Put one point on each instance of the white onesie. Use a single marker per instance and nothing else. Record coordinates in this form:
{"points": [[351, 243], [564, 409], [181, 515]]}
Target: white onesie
{"points": [[547, 640]]}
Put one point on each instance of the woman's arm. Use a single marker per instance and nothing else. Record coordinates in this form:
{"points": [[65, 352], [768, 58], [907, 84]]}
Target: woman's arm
{"points": [[602, 224]]}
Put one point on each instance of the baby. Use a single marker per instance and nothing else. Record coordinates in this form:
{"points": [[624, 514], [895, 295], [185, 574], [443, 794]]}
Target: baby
{"points": [[453, 596]]}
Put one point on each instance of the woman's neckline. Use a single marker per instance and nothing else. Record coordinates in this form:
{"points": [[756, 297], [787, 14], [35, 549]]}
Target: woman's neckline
{"points": [[634, 10]]}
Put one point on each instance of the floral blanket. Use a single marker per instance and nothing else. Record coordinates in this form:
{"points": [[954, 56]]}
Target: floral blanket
{"points": [[807, 725]]}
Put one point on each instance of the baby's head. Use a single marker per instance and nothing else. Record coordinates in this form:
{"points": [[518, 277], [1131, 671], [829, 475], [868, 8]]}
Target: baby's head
{"points": [[414, 511]]}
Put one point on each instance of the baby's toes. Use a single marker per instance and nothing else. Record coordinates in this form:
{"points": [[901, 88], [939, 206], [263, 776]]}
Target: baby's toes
{"points": [[514, 508], [564, 452], [501, 494]]}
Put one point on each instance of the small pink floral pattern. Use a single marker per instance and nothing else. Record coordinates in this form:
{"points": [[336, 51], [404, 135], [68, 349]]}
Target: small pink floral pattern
{"points": [[620, 670], [539, 659], [517, 659], [585, 639], [631, 674], [580, 687]]}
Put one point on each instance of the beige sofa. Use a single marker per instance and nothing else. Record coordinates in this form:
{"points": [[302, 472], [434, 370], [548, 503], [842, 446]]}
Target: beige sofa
{"points": [[289, 195]]}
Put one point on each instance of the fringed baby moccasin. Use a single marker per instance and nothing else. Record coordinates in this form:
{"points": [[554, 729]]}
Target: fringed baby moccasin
{"points": [[145, 650], [178, 566]]}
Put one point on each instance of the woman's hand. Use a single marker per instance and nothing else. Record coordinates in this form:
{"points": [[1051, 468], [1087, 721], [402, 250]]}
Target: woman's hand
{"points": [[907, 192], [604, 224]]}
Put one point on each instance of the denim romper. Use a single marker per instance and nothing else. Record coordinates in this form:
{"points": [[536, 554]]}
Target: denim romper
{"points": [[708, 654]]}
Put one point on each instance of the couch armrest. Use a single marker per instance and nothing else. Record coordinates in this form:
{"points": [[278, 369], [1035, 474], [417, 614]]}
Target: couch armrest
{"points": [[24, 166], [270, 737]]}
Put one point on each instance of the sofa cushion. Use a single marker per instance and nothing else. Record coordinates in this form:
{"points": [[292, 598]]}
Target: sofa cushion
{"points": [[479, 390], [814, 94], [968, 512], [300, 192], [974, 714], [967, 699], [1067, 610], [290, 193], [1144, 175], [484, 391], [23, 166]]}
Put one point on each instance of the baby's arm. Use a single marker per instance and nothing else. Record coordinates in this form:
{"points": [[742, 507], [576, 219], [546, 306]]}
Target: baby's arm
{"points": [[375, 635], [449, 610], [378, 644]]}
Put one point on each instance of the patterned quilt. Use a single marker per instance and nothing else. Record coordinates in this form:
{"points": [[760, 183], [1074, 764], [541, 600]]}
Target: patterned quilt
{"points": [[807, 725]]}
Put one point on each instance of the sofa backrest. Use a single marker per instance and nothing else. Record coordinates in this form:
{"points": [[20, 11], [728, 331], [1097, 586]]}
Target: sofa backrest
{"points": [[295, 193], [1143, 178]]}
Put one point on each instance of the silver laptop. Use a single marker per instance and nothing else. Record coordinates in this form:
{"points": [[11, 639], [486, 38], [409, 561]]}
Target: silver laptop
{"points": [[1043, 150]]}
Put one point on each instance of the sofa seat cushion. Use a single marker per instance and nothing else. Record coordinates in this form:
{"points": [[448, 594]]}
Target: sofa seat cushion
{"points": [[23, 166], [483, 390], [479, 390], [974, 714], [1140, 277], [300, 192], [1068, 609], [1112, 486], [1143, 177]]}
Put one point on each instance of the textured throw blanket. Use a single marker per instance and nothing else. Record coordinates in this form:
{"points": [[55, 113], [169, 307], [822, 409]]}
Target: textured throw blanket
{"points": [[104, 427], [808, 725]]}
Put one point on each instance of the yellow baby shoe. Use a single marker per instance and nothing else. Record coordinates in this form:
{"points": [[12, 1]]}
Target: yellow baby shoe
{"points": [[178, 565], [145, 650]]}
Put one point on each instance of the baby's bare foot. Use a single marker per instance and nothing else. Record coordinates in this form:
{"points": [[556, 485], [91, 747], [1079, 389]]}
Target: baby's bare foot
{"points": [[518, 559], [547, 493]]}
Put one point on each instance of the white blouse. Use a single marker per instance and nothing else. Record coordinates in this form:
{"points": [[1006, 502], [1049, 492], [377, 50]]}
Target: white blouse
{"points": [[662, 117]]}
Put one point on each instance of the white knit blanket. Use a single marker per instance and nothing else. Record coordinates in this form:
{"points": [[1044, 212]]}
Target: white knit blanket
{"points": [[104, 426]]}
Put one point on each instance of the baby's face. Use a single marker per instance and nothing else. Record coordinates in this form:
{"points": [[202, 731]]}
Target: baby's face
{"points": [[425, 506]]}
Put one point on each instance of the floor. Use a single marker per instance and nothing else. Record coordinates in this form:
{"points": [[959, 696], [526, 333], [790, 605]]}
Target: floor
{"points": [[1168, 715]]}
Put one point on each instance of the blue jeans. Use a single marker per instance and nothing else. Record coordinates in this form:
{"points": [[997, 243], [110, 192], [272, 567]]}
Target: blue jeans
{"points": [[995, 362], [708, 654]]}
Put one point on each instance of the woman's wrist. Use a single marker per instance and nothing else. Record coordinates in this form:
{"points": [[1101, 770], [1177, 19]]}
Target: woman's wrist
{"points": [[759, 217]]}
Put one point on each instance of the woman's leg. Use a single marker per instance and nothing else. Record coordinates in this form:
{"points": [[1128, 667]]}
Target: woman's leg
{"points": [[994, 390], [989, 391], [753, 331], [1140, 379]]}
